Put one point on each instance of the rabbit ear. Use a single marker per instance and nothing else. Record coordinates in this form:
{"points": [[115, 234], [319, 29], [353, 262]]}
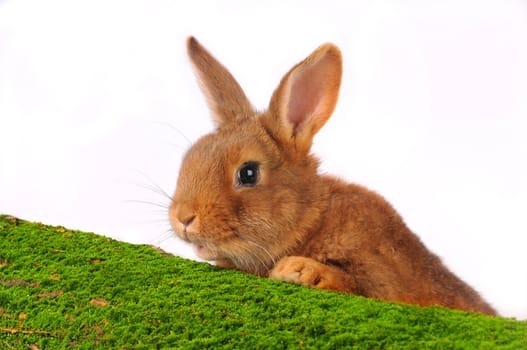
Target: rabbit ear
{"points": [[225, 97], [306, 97]]}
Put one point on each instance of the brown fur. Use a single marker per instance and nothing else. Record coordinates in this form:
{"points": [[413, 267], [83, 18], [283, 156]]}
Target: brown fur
{"points": [[294, 224]]}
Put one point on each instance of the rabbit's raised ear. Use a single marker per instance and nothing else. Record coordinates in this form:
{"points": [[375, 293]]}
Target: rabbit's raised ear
{"points": [[225, 97], [306, 97]]}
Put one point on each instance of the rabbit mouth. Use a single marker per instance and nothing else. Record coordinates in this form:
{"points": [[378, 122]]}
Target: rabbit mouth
{"points": [[204, 252], [211, 250], [200, 247]]}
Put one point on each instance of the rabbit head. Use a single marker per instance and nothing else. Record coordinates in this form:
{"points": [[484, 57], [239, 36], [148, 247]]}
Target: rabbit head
{"points": [[248, 193]]}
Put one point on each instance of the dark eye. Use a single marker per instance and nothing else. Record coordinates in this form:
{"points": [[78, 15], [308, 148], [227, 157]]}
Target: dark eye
{"points": [[248, 174]]}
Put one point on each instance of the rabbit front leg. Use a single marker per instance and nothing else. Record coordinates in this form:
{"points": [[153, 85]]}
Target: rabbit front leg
{"points": [[309, 272]]}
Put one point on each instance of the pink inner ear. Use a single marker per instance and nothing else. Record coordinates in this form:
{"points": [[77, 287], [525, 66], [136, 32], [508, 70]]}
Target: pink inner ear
{"points": [[308, 90]]}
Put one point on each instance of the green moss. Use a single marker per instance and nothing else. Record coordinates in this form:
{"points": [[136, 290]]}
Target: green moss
{"points": [[64, 289]]}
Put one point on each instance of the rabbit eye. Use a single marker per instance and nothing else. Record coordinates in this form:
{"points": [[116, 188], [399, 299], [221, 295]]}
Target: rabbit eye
{"points": [[248, 174]]}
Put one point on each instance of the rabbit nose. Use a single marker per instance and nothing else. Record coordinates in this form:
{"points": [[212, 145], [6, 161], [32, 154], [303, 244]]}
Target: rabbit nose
{"points": [[185, 215], [187, 221]]}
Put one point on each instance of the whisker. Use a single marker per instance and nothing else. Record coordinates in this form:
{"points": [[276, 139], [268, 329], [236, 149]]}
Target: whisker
{"points": [[165, 236], [265, 250], [158, 220], [241, 259], [152, 186], [251, 259], [174, 129], [161, 205]]}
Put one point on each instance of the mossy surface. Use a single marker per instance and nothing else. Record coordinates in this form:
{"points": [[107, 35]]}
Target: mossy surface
{"points": [[65, 289]]}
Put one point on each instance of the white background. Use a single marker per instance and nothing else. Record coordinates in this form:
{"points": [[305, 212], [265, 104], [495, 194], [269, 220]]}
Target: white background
{"points": [[98, 104]]}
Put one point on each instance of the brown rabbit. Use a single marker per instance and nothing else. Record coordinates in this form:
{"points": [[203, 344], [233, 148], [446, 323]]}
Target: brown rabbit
{"points": [[249, 197]]}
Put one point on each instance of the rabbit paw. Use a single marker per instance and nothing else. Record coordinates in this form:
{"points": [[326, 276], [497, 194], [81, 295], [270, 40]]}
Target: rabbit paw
{"points": [[304, 271]]}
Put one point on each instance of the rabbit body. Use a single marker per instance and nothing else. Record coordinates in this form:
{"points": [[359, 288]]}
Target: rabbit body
{"points": [[249, 196]]}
